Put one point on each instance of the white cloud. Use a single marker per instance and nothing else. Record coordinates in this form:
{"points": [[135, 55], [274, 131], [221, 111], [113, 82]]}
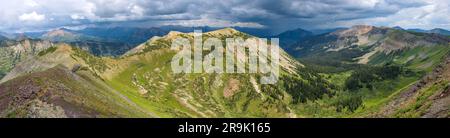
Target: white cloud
{"points": [[77, 17], [137, 10], [434, 15], [33, 16], [31, 3]]}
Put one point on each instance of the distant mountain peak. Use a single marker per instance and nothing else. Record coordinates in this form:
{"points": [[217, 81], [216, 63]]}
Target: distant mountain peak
{"points": [[62, 32], [298, 31], [64, 29], [361, 26], [225, 31], [355, 30], [3, 37], [290, 37], [21, 37], [435, 30], [439, 31], [398, 28]]}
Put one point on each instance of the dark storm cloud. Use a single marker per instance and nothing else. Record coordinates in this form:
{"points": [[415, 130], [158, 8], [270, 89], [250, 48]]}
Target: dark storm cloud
{"points": [[279, 14], [339, 9]]}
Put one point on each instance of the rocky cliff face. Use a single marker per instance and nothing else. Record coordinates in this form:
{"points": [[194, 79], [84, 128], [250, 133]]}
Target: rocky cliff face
{"points": [[12, 52]]}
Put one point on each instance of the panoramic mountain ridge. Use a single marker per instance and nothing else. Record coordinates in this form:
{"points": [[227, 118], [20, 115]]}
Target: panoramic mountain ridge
{"points": [[329, 81], [212, 59]]}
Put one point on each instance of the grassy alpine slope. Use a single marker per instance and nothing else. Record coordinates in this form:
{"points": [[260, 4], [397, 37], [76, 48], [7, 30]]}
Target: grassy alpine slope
{"points": [[378, 65], [146, 80]]}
